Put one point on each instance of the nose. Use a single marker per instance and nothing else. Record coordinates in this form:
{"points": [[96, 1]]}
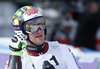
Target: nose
{"points": [[39, 30]]}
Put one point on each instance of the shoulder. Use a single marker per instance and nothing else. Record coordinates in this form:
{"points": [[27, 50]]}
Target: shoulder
{"points": [[65, 48], [52, 42], [57, 44]]}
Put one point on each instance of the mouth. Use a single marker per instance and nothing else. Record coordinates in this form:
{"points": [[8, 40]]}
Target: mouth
{"points": [[39, 36]]}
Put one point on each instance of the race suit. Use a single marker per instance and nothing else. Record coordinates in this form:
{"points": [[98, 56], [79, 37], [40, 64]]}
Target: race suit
{"points": [[55, 56]]}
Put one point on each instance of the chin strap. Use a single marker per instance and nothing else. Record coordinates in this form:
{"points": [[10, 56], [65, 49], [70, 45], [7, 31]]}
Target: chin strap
{"points": [[35, 44], [37, 49]]}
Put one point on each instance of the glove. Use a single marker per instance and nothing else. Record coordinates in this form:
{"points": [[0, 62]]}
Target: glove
{"points": [[16, 43]]}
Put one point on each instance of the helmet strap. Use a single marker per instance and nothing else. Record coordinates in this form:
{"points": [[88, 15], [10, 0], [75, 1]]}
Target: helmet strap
{"points": [[35, 44], [31, 41]]}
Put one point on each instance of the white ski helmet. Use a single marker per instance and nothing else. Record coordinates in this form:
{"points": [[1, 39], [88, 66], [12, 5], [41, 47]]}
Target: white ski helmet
{"points": [[23, 15]]}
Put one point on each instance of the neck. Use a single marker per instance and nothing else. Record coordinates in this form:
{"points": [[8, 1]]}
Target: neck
{"points": [[35, 48], [35, 51], [30, 44]]}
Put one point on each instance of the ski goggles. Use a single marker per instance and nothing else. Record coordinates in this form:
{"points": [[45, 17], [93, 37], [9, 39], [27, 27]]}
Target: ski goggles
{"points": [[34, 25]]}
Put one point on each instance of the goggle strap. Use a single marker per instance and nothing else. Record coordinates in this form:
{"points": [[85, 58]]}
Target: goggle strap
{"points": [[17, 27]]}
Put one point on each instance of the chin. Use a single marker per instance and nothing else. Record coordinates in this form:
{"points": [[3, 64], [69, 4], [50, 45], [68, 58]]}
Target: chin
{"points": [[40, 42]]}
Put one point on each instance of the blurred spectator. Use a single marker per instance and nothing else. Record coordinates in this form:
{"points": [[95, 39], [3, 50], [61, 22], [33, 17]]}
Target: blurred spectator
{"points": [[64, 32], [88, 25]]}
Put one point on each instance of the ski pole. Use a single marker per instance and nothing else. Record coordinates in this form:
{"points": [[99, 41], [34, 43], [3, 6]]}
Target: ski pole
{"points": [[24, 47]]}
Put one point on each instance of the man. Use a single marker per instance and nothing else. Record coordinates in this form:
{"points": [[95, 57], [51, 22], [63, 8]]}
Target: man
{"points": [[29, 47], [88, 26]]}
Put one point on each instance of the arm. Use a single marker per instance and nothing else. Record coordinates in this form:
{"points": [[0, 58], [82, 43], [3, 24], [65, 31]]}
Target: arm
{"points": [[14, 62], [70, 59], [15, 57], [73, 61]]}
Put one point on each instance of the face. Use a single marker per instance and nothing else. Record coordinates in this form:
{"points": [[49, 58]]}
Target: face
{"points": [[38, 37], [94, 7]]}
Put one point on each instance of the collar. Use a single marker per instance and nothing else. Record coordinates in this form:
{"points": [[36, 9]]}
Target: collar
{"points": [[34, 51], [37, 49]]}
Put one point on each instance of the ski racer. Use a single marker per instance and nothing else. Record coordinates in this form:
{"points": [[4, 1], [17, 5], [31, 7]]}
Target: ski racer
{"points": [[29, 47]]}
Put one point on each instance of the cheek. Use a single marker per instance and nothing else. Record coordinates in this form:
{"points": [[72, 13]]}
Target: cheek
{"points": [[31, 36]]}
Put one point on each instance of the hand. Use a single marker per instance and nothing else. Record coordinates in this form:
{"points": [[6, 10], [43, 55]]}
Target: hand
{"points": [[16, 41]]}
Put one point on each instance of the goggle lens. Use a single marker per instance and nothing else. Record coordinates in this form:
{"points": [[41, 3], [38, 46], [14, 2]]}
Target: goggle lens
{"points": [[34, 25]]}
